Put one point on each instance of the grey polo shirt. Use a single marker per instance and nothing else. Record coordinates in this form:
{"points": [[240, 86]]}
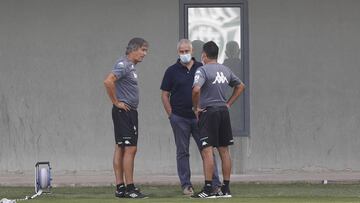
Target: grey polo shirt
{"points": [[214, 80], [127, 89]]}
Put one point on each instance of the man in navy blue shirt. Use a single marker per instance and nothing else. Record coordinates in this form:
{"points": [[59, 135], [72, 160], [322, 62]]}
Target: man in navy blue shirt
{"points": [[176, 89]]}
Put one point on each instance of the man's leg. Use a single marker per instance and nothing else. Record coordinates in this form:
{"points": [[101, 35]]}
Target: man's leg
{"points": [[216, 183], [208, 164], [225, 140], [226, 168], [208, 129], [181, 129], [226, 162], [118, 165], [126, 135], [128, 163], [119, 171]]}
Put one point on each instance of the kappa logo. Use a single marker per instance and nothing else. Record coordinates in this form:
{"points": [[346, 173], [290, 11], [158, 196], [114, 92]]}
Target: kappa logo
{"points": [[220, 78], [127, 142]]}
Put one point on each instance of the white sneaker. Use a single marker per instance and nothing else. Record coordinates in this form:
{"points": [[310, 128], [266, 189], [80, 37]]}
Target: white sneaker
{"points": [[204, 194]]}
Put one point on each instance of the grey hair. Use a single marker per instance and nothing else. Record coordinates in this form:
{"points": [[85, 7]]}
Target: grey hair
{"points": [[135, 44], [184, 41]]}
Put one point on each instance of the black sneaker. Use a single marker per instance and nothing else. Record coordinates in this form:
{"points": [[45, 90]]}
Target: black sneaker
{"points": [[204, 194], [223, 193], [137, 189], [120, 193], [135, 194]]}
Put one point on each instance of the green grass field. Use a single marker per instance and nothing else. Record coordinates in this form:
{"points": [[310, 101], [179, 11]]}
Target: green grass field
{"points": [[266, 193]]}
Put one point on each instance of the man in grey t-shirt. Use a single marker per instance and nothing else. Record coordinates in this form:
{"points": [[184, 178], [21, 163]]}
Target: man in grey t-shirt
{"points": [[122, 88], [211, 108]]}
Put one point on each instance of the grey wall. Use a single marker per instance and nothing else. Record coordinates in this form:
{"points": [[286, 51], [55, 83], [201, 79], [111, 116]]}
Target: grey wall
{"points": [[54, 58], [305, 96], [54, 55]]}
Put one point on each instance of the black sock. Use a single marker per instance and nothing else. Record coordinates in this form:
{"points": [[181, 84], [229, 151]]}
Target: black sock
{"points": [[130, 187], [208, 186], [120, 187], [226, 184]]}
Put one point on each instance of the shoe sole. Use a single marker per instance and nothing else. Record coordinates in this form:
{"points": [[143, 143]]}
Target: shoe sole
{"points": [[224, 196], [135, 197], [209, 197], [119, 196]]}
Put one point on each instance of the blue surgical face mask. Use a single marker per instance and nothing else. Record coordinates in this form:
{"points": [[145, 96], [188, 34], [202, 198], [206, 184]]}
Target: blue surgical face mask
{"points": [[185, 58]]}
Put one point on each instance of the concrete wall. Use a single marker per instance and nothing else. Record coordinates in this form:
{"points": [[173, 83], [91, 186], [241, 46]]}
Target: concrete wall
{"points": [[54, 55], [54, 58], [305, 96]]}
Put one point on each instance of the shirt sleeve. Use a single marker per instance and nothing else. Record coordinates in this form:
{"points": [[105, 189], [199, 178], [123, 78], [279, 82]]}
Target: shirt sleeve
{"points": [[167, 82], [119, 70], [199, 78], [234, 80]]}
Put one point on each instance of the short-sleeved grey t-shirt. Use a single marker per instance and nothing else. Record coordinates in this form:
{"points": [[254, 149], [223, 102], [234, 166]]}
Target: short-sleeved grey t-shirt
{"points": [[126, 84], [214, 80]]}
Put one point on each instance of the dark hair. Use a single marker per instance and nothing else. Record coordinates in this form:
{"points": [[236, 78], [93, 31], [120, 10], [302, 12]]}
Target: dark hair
{"points": [[211, 50], [135, 44]]}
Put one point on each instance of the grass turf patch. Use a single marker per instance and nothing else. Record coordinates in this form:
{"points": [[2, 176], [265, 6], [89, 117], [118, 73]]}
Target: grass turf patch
{"points": [[241, 193]]}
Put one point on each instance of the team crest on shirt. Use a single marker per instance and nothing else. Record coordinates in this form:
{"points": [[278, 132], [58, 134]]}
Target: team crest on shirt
{"points": [[121, 64], [197, 78]]}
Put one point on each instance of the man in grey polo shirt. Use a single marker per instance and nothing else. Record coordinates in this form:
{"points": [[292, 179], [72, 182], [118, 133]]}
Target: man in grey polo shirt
{"points": [[211, 108], [122, 88]]}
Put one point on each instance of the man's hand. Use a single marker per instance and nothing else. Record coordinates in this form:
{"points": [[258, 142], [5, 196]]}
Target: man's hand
{"points": [[195, 96], [122, 105], [197, 112], [165, 98], [238, 89]]}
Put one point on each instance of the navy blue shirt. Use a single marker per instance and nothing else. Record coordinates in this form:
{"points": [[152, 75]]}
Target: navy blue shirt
{"points": [[178, 80]]}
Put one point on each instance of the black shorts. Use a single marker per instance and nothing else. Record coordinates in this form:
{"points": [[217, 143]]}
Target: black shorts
{"points": [[215, 127], [125, 126]]}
